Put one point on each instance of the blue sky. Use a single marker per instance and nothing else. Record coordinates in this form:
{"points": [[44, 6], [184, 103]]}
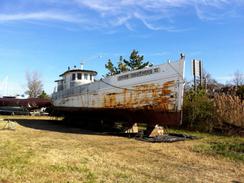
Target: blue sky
{"points": [[49, 35]]}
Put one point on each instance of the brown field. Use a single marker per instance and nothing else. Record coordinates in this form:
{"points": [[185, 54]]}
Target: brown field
{"points": [[40, 150]]}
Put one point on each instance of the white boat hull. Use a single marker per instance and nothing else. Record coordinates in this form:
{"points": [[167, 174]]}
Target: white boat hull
{"points": [[154, 94]]}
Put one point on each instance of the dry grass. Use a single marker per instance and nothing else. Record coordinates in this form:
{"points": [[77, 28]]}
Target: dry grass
{"points": [[230, 109], [41, 151]]}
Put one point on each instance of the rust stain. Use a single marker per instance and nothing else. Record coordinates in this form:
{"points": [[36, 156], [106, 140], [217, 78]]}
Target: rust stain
{"points": [[165, 92], [146, 96], [110, 100], [125, 91], [169, 83]]}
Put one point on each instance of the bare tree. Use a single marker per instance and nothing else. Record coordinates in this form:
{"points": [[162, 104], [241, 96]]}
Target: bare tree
{"points": [[209, 82], [238, 78], [34, 84]]}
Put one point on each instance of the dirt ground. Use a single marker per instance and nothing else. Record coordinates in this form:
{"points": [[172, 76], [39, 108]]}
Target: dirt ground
{"points": [[40, 150]]}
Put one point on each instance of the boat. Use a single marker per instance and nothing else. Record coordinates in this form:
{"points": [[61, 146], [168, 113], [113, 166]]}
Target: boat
{"points": [[152, 95], [10, 105]]}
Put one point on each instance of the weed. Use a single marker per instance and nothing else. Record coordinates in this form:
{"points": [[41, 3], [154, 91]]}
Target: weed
{"points": [[233, 150], [229, 109]]}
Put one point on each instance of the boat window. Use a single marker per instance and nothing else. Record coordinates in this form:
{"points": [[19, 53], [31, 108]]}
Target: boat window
{"points": [[156, 70], [91, 77], [123, 77], [79, 76], [73, 76], [86, 76]]}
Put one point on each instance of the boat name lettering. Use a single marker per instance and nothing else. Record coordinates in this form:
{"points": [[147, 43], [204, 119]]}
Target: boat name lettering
{"points": [[138, 74]]}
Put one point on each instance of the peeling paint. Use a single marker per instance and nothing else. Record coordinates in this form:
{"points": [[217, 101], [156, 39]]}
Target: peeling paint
{"points": [[146, 96]]}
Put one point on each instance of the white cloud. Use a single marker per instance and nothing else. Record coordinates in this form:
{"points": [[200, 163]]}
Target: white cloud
{"points": [[38, 16], [155, 15], [101, 6]]}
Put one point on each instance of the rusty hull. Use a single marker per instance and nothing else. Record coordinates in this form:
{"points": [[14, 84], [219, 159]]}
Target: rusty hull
{"points": [[149, 103], [146, 97]]}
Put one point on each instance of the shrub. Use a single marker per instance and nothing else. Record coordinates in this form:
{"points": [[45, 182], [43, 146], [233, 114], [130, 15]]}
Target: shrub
{"points": [[240, 92], [198, 111], [222, 113]]}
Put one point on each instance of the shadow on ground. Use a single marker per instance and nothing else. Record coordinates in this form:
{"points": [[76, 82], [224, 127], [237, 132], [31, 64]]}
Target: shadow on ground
{"points": [[60, 126], [49, 125]]}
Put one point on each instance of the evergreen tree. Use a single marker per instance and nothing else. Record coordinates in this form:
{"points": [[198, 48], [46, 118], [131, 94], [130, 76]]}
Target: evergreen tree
{"points": [[122, 67], [43, 95], [110, 66], [134, 63]]}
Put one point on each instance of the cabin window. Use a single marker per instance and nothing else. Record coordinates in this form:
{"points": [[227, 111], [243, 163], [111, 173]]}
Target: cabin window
{"points": [[156, 70], [73, 76], [79, 76], [91, 77], [123, 77], [86, 76]]}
